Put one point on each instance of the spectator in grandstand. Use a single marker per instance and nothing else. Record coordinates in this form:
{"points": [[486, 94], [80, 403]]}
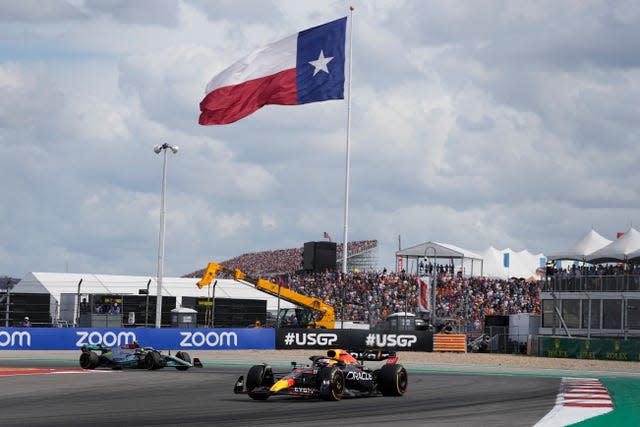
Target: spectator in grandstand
{"points": [[26, 323]]}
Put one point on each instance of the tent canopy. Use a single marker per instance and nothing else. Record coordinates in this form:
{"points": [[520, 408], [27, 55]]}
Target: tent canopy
{"points": [[442, 250], [67, 283], [634, 256], [579, 251], [520, 264], [618, 250]]}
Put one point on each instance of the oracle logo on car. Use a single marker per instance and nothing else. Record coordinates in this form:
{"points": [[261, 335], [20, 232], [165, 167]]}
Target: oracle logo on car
{"points": [[311, 338], [360, 376], [108, 339], [15, 339], [210, 339]]}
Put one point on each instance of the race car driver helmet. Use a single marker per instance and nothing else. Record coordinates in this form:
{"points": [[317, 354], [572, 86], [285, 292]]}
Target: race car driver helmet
{"points": [[326, 361]]}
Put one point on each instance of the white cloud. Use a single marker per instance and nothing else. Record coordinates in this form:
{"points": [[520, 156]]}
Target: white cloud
{"points": [[494, 124]]}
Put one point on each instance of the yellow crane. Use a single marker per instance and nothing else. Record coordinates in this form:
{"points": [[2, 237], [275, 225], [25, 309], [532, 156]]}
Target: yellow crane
{"points": [[313, 312]]}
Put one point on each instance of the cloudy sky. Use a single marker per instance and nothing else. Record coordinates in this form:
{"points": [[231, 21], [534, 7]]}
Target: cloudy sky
{"points": [[511, 124]]}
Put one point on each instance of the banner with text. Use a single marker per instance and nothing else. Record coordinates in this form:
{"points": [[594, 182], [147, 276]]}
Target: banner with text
{"points": [[161, 339], [601, 349], [351, 339]]}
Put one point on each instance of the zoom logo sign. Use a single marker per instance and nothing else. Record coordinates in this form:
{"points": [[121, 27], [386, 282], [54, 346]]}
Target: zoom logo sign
{"points": [[15, 339], [210, 339], [310, 338], [390, 340], [108, 339]]}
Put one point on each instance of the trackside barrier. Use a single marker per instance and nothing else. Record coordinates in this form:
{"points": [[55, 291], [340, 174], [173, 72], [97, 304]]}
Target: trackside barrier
{"points": [[354, 339], [214, 339], [162, 339], [583, 348], [450, 342]]}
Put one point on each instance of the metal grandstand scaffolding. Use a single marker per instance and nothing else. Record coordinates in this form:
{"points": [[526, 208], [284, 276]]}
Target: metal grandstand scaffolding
{"points": [[363, 258]]}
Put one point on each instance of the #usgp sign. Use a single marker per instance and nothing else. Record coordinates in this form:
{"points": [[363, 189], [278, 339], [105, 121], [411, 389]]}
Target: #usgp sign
{"points": [[354, 339], [163, 339]]}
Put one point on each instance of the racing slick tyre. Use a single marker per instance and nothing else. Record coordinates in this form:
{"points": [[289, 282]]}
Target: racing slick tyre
{"points": [[89, 360], [152, 361], [393, 380], [331, 385], [258, 376], [183, 355]]}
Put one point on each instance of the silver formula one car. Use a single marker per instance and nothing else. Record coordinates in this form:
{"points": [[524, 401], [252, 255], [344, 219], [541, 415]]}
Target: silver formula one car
{"points": [[133, 356]]}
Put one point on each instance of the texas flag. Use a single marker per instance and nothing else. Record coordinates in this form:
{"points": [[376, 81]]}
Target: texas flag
{"points": [[302, 68]]}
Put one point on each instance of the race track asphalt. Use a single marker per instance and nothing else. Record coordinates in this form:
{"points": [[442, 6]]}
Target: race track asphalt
{"points": [[204, 397]]}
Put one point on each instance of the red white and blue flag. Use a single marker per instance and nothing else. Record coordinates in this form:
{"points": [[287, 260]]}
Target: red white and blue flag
{"points": [[302, 68]]}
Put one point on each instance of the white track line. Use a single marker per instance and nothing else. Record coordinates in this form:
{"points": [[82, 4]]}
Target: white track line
{"points": [[578, 399]]}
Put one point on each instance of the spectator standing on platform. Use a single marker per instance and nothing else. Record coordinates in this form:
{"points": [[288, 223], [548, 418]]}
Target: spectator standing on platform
{"points": [[84, 306], [114, 309], [293, 320]]}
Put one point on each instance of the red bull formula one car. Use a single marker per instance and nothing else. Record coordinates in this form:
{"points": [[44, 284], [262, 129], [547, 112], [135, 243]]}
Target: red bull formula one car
{"points": [[334, 376]]}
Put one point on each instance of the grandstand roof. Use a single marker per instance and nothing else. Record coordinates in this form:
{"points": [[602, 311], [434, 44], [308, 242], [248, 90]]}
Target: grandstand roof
{"points": [[442, 250], [64, 283], [439, 250]]}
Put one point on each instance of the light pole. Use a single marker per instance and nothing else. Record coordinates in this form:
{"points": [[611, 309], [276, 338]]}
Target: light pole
{"points": [[158, 149], [433, 285]]}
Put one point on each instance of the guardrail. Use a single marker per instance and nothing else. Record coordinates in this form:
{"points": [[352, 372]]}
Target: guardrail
{"points": [[213, 339], [617, 283], [354, 339], [165, 339]]}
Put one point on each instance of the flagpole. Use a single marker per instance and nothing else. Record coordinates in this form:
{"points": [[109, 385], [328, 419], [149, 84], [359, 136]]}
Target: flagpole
{"points": [[346, 175]]}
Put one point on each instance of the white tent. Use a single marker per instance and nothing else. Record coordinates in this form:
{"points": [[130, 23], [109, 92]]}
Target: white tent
{"points": [[634, 256], [520, 264], [57, 284], [442, 251], [579, 251], [618, 250]]}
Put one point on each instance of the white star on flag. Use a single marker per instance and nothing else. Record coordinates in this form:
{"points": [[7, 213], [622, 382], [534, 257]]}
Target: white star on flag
{"points": [[320, 64]]}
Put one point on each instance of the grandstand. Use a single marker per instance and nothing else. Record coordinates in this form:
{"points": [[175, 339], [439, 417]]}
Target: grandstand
{"points": [[362, 256]]}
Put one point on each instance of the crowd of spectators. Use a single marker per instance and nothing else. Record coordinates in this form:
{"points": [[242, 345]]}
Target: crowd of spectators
{"points": [[469, 300], [371, 296], [267, 262], [597, 270], [282, 261]]}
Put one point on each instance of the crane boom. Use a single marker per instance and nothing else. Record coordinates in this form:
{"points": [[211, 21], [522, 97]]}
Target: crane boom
{"points": [[316, 314]]}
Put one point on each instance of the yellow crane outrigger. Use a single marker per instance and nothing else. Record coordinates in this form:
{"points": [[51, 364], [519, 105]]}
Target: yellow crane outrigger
{"points": [[314, 313]]}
